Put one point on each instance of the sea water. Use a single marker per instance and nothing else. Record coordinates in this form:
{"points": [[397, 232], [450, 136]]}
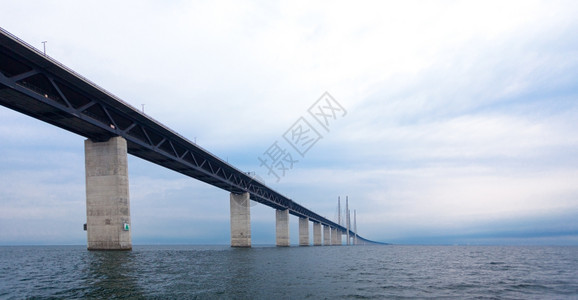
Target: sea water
{"points": [[342, 272]]}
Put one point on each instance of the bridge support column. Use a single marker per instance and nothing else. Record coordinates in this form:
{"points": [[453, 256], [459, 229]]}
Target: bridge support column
{"points": [[240, 220], [282, 227], [335, 238], [107, 195], [326, 236], [303, 231], [316, 234]]}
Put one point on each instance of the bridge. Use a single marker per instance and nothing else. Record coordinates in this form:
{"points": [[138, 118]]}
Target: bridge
{"points": [[40, 87]]}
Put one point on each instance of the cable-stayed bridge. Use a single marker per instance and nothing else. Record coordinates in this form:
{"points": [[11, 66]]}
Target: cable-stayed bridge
{"points": [[41, 87]]}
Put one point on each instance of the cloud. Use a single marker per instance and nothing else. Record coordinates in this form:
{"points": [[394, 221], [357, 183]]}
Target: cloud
{"points": [[460, 115]]}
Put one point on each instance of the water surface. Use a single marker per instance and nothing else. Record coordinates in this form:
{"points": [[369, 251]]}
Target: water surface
{"points": [[221, 272]]}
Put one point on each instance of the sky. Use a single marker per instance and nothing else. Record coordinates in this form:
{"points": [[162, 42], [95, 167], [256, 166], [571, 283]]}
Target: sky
{"points": [[455, 121]]}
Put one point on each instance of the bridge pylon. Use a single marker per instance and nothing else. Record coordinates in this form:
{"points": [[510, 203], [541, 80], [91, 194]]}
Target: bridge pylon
{"points": [[303, 231], [317, 234], [107, 195], [240, 220], [282, 227]]}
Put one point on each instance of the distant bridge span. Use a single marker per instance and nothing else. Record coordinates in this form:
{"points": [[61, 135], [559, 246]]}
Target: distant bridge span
{"points": [[41, 87]]}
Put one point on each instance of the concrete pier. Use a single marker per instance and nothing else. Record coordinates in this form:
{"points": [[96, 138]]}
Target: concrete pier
{"points": [[107, 195], [326, 236], [240, 220], [303, 231], [316, 234], [282, 227], [335, 237]]}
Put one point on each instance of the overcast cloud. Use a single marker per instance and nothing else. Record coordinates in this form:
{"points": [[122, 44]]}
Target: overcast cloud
{"points": [[460, 125]]}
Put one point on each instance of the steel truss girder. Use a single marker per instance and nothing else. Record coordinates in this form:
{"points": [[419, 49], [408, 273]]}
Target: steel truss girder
{"points": [[41, 87]]}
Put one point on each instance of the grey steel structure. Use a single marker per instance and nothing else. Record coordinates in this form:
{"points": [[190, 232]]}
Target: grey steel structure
{"points": [[43, 88]]}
